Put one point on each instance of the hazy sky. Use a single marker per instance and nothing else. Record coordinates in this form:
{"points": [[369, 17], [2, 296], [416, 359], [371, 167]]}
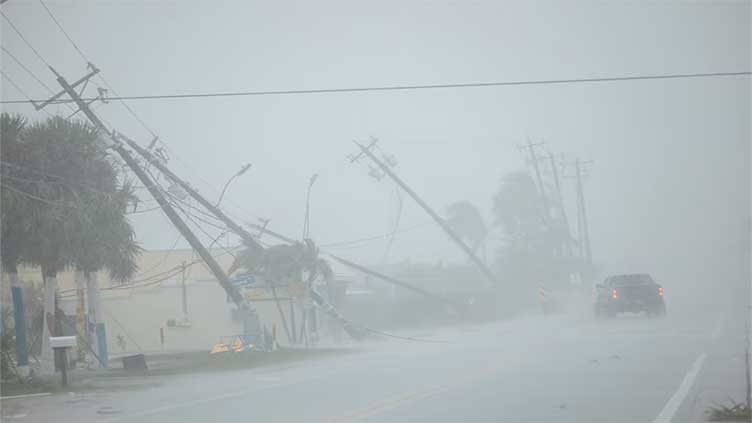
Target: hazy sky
{"points": [[669, 188]]}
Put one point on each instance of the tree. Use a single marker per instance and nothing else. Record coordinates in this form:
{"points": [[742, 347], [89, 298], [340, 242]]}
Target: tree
{"points": [[77, 216], [14, 223], [284, 265], [466, 221], [531, 238], [517, 207]]}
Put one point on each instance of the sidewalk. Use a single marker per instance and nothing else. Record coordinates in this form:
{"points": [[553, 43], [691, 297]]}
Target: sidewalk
{"points": [[161, 364]]}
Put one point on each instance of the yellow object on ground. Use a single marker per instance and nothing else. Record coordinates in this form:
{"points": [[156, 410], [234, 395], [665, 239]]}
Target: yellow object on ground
{"points": [[220, 348]]}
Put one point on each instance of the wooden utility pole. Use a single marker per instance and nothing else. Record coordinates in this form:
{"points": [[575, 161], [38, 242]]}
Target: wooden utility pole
{"points": [[438, 219], [246, 236], [211, 207], [249, 239], [582, 213], [530, 147], [252, 321], [560, 200]]}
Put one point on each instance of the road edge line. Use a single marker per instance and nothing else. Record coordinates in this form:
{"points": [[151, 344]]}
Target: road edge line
{"points": [[676, 400]]}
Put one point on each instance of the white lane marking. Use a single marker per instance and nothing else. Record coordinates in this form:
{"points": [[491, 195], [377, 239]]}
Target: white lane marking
{"points": [[719, 327], [676, 400], [41, 394], [177, 406]]}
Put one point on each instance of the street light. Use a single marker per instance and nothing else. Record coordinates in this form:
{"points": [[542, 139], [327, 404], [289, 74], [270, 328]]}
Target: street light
{"points": [[240, 172], [306, 221]]}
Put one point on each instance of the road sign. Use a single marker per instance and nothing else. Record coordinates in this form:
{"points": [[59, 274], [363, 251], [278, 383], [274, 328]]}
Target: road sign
{"points": [[243, 281]]}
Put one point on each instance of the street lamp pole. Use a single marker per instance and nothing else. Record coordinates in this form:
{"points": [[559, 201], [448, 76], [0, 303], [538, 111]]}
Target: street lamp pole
{"points": [[240, 172], [306, 221]]}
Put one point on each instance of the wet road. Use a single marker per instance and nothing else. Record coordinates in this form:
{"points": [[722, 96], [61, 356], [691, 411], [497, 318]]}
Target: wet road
{"points": [[530, 369]]}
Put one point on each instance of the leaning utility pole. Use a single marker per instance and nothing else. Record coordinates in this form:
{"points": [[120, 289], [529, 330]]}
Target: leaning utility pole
{"points": [[582, 213], [211, 207], [530, 147], [438, 219], [251, 322], [560, 200], [245, 235], [376, 274]]}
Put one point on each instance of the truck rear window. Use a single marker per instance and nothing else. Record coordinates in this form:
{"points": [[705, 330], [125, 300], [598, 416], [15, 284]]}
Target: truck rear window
{"points": [[637, 279]]}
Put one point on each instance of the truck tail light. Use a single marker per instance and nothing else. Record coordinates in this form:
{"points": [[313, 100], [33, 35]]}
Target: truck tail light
{"points": [[660, 291], [614, 294]]}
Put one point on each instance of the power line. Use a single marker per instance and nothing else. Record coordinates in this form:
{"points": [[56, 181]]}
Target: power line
{"points": [[207, 218], [368, 239], [36, 52], [414, 87], [170, 273], [396, 225], [166, 256], [193, 217], [40, 199], [86, 59], [145, 210], [133, 284], [23, 93], [33, 75], [63, 181], [81, 53], [24, 39], [200, 228]]}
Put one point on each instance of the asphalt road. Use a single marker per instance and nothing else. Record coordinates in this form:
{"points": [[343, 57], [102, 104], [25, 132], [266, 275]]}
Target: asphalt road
{"points": [[530, 369]]}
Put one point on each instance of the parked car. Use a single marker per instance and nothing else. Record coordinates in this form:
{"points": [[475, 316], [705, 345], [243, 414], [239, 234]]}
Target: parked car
{"points": [[629, 293]]}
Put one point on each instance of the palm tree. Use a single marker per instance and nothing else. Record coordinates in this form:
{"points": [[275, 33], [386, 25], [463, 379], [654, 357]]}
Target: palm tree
{"points": [[532, 239], [466, 221], [287, 264], [14, 206], [105, 240], [13, 222], [81, 221], [516, 206]]}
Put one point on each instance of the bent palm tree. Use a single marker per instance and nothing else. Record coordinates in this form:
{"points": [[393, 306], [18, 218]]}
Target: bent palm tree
{"points": [[289, 263]]}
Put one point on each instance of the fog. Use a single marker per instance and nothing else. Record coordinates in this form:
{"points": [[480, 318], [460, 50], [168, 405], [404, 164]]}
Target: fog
{"points": [[661, 148], [667, 193]]}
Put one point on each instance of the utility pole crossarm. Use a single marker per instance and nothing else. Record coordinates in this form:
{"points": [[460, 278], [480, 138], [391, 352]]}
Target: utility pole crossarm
{"points": [[84, 78], [438, 219]]}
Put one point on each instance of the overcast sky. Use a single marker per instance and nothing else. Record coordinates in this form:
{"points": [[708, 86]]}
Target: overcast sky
{"points": [[670, 182]]}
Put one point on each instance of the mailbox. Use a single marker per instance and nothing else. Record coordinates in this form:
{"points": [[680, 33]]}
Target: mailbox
{"points": [[62, 341], [59, 344]]}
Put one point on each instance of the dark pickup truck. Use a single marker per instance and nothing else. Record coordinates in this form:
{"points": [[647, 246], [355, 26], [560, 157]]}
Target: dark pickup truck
{"points": [[629, 293]]}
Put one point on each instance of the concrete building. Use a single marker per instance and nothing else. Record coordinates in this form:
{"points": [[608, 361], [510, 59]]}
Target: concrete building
{"points": [[146, 314]]}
